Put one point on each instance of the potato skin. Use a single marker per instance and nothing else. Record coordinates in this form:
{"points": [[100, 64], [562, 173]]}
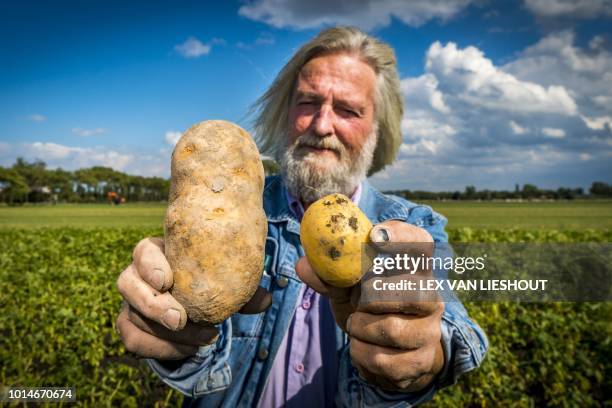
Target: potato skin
{"points": [[215, 227], [332, 232]]}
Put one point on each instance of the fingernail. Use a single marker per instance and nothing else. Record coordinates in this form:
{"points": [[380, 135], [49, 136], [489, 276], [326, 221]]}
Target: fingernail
{"points": [[172, 319], [158, 279], [380, 235], [348, 325]]}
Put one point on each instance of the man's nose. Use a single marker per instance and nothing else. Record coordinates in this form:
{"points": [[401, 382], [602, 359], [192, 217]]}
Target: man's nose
{"points": [[323, 122]]}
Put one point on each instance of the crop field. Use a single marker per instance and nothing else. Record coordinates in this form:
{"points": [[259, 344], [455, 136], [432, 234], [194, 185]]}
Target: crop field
{"points": [[59, 264], [83, 216], [566, 215]]}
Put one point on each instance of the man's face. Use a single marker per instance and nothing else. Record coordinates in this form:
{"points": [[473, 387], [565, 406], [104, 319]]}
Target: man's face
{"points": [[331, 130]]}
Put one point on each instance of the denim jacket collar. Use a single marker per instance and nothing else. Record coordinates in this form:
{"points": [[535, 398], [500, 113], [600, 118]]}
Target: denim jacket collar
{"points": [[375, 205]]}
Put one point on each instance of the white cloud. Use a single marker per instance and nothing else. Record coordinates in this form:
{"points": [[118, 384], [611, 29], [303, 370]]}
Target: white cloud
{"points": [[53, 150], [599, 123], [554, 132], [88, 132], [555, 59], [570, 8], [463, 116], [77, 157], [560, 46], [424, 89], [472, 77], [37, 117], [417, 125], [366, 14], [420, 147], [132, 160], [172, 137], [192, 48], [517, 129], [602, 100]]}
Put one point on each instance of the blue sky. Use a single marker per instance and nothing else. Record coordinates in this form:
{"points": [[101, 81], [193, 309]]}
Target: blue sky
{"points": [[496, 92]]}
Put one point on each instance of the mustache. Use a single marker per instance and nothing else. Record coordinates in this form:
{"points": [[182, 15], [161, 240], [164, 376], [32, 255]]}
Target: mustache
{"points": [[317, 142]]}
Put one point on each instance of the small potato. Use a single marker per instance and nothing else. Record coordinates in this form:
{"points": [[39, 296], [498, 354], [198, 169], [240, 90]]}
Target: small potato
{"points": [[215, 229], [333, 232]]}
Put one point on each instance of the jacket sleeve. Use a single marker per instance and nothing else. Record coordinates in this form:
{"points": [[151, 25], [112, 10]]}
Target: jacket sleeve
{"points": [[204, 373], [463, 341]]}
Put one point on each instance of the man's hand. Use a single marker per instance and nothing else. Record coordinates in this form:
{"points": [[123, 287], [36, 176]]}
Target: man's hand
{"points": [[396, 347], [152, 323]]}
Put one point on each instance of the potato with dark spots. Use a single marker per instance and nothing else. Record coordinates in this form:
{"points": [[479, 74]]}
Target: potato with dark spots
{"points": [[215, 227], [333, 232]]}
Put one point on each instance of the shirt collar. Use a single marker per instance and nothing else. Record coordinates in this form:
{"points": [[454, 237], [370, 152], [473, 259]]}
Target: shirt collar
{"points": [[296, 207]]}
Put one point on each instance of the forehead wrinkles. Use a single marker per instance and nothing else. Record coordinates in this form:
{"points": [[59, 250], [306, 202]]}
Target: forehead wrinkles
{"points": [[342, 74]]}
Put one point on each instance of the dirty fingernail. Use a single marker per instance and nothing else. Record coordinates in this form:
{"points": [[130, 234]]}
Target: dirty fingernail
{"points": [[158, 279], [172, 319], [380, 235]]}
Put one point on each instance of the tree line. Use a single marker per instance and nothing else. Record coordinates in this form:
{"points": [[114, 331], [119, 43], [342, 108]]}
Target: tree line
{"points": [[527, 192], [33, 182]]}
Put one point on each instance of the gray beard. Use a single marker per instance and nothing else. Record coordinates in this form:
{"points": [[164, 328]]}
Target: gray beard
{"points": [[308, 183]]}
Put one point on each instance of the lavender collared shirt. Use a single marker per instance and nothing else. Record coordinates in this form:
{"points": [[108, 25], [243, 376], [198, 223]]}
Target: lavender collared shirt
{"points": [[305, 370]]}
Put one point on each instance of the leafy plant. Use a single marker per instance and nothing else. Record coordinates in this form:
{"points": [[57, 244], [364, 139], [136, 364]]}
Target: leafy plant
{"points": [[59, 303]]}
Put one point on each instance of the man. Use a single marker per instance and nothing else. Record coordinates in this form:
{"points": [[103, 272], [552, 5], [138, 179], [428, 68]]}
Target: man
{"points": [[331, 117]]}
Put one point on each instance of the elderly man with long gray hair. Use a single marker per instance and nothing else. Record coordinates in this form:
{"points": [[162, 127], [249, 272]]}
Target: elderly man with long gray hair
{"points": [[331, 118]]}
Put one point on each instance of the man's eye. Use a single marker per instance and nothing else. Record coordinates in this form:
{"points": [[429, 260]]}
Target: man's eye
{"points": [[305, 103], [348, 112]]}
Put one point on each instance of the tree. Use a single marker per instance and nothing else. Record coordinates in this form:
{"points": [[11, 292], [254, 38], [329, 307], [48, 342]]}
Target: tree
{"points": [[14, 188], [601, 189], [530, 191], [470, 192]]}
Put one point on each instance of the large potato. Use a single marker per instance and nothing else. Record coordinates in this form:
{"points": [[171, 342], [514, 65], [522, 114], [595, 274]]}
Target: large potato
{"points": [[333, 233], [215, 229]]}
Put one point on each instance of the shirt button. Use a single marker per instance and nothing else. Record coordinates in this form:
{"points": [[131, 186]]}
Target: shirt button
{"points": [[299, 367], [262, 353], [282, 281], [306, 304]]}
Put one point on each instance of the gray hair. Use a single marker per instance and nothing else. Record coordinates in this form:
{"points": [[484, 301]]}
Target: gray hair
{"points": [[271, 109]]}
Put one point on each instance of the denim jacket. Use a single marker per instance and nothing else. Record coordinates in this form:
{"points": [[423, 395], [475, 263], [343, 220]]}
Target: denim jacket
{"points": [[233, 371]]}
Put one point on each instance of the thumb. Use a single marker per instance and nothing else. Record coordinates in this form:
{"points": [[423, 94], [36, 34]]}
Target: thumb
{"points": [[395, 236]]}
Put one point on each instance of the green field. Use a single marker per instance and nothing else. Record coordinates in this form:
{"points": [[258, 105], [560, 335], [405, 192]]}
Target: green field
{"points": [[60, 302], [149, 215], [564, 215], [59, 265]]}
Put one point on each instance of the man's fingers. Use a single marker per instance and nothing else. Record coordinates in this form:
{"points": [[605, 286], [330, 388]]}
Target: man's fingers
{"points": [[152, 265], [385, 300], [147, 345], [260, 301], [394, 330], [400, 367], [159, 307], [310, 277], [192, 334], [342, 300]]}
